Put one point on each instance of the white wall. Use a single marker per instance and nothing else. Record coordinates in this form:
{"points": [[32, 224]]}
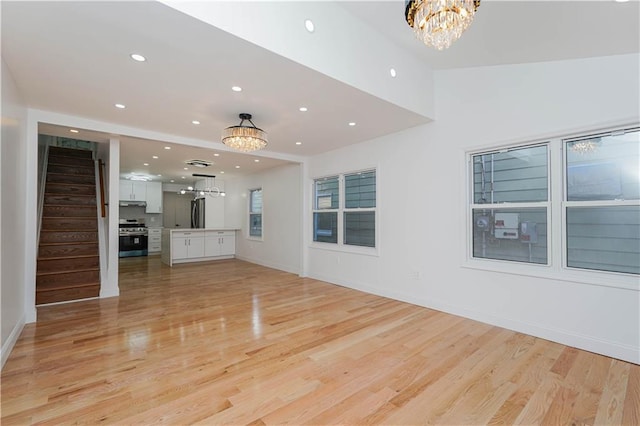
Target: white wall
{"points": [[280, 247], [12, 218], [422, 204]]}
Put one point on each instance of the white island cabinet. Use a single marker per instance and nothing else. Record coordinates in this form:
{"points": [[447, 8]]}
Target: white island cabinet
{"points": [[197, 245]]}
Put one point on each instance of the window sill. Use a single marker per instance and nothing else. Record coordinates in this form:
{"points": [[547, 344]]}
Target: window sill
{"points": [[259, 239], [366, 251], [597, 278]]}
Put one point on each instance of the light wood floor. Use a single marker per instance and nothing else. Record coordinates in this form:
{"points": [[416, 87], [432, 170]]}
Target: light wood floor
{"points": [[231, 343]]}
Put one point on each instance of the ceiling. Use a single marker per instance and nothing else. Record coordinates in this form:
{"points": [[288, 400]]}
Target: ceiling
{"points": [[73, 58]]}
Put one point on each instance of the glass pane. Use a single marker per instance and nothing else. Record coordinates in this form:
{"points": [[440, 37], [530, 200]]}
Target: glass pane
{"points": [[256, 201], [326, 193], [255, 225], [360, 190], [604, 238], [518, 175], [604, 168], [325, 227], [518, 235], [360, 228]]}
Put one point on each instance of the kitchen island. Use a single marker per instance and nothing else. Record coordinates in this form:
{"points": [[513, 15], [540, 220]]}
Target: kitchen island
{"points": [[197, 245]]}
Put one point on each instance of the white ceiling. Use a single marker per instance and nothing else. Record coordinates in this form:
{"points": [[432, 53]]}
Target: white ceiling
{"points": [[73, 58]]}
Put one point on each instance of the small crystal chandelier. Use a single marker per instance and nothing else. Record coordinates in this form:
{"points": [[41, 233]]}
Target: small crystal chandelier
{"points": [[244, 138], [438, 23], [585, 146]]}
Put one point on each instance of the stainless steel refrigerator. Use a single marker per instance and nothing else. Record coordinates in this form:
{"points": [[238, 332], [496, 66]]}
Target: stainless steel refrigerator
{"points": [[197, 213]]}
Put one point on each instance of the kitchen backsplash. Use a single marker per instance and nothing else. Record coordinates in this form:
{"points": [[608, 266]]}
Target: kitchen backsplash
{"points": [[135, 212]]}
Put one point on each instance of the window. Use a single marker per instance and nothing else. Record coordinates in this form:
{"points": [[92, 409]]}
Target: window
{"points": [[602, 202], [359, 209], [510, 194], [597, 205], [344, 209], [255, 213], [325, 215]]}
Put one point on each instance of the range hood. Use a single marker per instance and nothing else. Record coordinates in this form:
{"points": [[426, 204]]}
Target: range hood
{"points": [[133, 203]]}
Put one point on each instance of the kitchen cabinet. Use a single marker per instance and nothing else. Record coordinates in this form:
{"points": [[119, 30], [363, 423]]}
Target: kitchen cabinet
{"points": [[187, 245], [219, 243], [155, 240], [133, 190], [154, 197], [197, 245]]}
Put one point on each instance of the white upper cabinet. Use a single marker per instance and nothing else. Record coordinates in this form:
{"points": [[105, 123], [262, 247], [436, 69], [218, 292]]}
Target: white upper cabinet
{"points": [[133, 190], [154, 197]]}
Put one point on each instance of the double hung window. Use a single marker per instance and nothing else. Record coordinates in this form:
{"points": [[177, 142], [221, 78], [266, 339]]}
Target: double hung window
{"points": [[344, 209], [596, 207], [255, 213], [510, 204], [602, 202]]}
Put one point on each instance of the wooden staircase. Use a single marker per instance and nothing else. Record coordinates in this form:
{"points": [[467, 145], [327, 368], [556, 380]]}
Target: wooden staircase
{"points": [[68, 254]]}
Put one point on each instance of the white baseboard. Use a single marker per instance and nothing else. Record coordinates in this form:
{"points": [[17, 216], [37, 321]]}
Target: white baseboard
{"points": [[278, 266], [566, 337], [7, 346]]}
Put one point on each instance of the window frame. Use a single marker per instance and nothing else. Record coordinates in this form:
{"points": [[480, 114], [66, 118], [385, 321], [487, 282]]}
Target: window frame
{"points": [[251, 213], [515, 206], [340, 245], [556, 268]]}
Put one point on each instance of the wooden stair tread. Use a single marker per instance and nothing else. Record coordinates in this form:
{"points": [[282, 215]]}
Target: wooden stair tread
{"points": [[42, 290], [94, 229], [38, 274], [78, 256], [64, 243]]}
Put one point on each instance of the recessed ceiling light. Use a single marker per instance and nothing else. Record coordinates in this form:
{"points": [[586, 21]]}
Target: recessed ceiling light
{"points": [[195, 122], [221, 172], [167, 147], [145, 164], [393, 73], [352, 124], [216, 155], [186, 168], [73, 130], [236, 89], [155, 157], [159, 175], [138, 57], [308, 24], [172, 181], [121, 106], [303, 109], [183, 177], [237, 167], [256, 160], [298, 143]]}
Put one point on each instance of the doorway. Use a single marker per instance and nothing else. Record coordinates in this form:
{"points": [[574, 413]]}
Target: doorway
{"points": [[177, 210]]}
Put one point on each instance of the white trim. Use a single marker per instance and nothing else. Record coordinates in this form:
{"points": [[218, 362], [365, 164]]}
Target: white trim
{"points": [[272, 265], [9, 344]]}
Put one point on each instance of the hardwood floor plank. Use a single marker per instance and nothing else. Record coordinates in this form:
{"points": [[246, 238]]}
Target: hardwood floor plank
{"points": [[612, 398], [230, 342], [631, 409]]}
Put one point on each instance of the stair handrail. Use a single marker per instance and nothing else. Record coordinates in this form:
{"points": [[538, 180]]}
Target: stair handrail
{"points": [[103, 203]]}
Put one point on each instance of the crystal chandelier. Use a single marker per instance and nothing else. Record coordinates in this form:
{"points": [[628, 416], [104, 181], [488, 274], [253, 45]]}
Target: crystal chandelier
{"points": [[585, 146], [244, 138], [438, 23]]}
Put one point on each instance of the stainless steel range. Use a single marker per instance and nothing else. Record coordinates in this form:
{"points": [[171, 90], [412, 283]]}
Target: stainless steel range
{"points": [[134, 238]]}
